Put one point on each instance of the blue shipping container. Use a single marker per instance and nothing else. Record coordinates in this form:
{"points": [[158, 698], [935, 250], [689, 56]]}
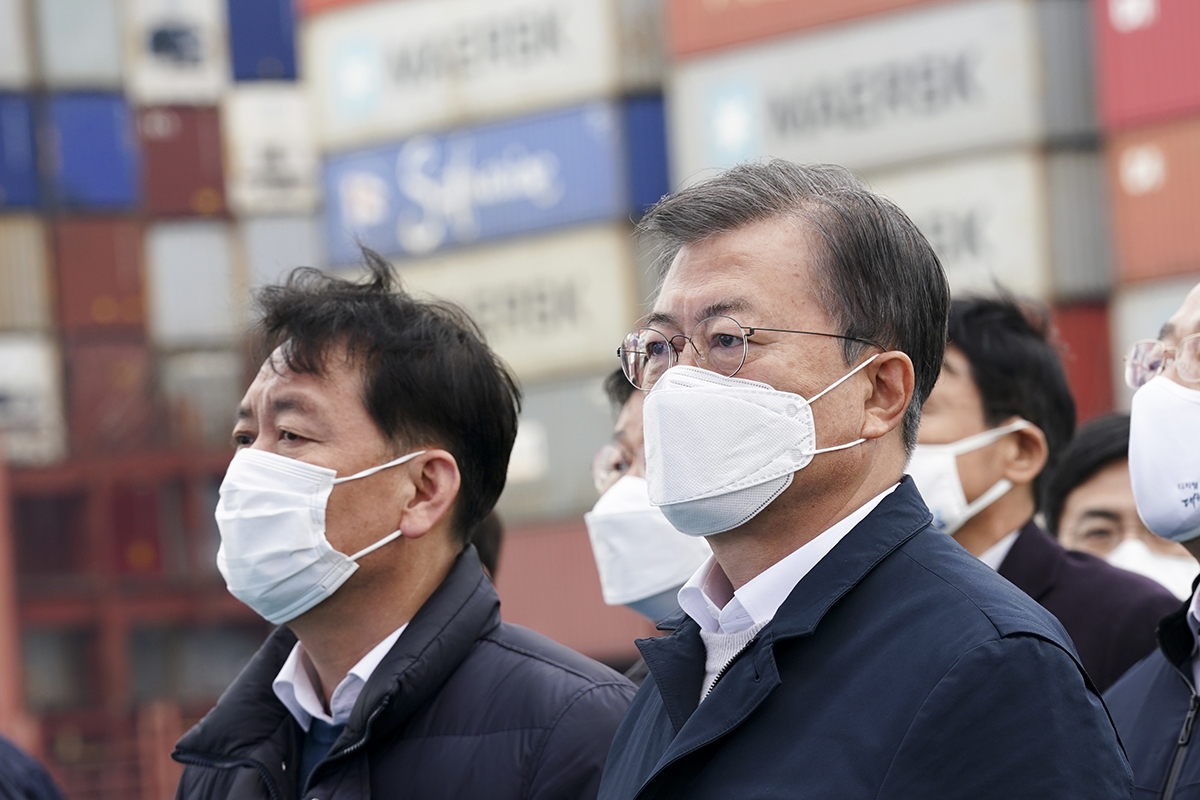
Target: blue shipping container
{"points": [[93, 161], [600, 161], [18, 163], [262, 40]]}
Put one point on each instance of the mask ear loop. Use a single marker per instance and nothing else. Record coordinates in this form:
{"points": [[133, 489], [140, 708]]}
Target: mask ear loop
{"points": [[828, 389], [391, 537]]}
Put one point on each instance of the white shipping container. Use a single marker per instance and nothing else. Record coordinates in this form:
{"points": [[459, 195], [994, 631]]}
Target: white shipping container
{"points": [[16, 62], [1138, 311], [195, 295], [24, 275], [79, 42], [562, 426], [273, 246], [176, 51], [271, 161], [202, 389], [387, 69], [932, 81], [32, 430], [1021, 220], [550, 306]]}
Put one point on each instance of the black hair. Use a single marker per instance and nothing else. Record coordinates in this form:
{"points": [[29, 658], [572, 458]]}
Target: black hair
{"points": [[487, 538], [618, 389], [1097, 444], [879, 280], [1016, 368], [429, 378]]}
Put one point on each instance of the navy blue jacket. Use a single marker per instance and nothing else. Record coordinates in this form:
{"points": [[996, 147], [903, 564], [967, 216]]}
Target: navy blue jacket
{"points": [[463, 705], [1154, 706], [22, 777], [899, 667]]}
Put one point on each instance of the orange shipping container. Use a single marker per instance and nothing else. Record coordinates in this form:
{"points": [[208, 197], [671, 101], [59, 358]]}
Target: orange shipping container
{"points": [[1155, 178], [698, 25]]}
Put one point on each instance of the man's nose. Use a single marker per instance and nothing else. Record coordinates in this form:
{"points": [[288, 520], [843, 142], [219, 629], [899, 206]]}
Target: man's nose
{"points": [[688, 356]]}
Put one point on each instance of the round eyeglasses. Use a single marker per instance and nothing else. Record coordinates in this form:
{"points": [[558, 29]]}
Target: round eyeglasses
{"points": [[719, 342], [1149, 357]]}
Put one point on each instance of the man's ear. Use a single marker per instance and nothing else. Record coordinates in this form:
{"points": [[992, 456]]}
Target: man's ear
{"points": [[892, 384], [1025, 455], [436, 481]]}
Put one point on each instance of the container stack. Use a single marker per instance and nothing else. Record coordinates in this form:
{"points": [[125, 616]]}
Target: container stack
{"points": [[976, 117], [1150, 111], [498, 151]]}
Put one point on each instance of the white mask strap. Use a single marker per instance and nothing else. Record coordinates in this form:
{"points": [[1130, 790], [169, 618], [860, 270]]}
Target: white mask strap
{"points": [[842, 379], [372, 548], [983, 439], [372, 470], [998, 490], [845, 446]]}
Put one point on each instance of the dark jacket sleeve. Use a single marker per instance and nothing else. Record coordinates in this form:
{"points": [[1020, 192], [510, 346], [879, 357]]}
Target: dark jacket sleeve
{"points": [[574, 753], [22, 777], [1070, 753]]}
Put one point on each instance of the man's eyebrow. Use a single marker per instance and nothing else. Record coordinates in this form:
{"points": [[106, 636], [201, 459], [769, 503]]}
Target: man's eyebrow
{"points": [[720, 309], [280, 405], [1101, 513]]}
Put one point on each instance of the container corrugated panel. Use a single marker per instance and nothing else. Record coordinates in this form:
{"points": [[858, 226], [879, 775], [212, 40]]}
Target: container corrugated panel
{"points": [[137, 514], [274, 246], [24, 275], [1138, 311], [494, 181], [1155, 178], [79, 43], [93, 159], [932, 81], [16, 58], [98, 263], [262, 37], [31, 414], [176, 51], [110, 397], [202, 389], [1148, 60], [18, 159], [1018, 219], [1083, 340], [555, 560], [697, 25], [182, 170], [270, 150], [195, 295], [387, 69], [531, 296], [562, 426]]}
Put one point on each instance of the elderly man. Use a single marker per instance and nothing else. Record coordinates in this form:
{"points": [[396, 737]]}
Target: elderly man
{"points": [[1155, 703], [835, 645], [373, 441]]}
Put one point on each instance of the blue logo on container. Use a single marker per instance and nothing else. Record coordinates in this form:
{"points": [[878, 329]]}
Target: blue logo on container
{"points": [[538, 173]]}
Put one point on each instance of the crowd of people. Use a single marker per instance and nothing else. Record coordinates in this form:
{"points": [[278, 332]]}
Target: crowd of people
{"points": [[883, 562]]}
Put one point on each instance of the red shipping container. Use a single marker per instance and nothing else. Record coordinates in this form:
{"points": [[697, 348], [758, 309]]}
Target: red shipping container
{"points": [[694, 26], [1149, 60], [1155, 178], [110, 403], [98, 264], [182, 171], [315, 6], [136, 522], [1083, 342]]}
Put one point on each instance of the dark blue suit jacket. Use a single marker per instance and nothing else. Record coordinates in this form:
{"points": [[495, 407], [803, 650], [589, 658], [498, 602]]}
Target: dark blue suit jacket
{"points": [[900, 667]]}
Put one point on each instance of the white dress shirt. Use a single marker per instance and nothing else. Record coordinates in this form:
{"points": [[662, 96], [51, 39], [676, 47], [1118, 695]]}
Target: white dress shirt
{"points": [[994, 555], [709, 598], [296, 684]]}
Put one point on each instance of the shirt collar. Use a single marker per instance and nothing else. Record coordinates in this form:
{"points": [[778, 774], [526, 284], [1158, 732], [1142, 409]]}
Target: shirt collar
{"points": [[994, 555], [296, 684], [710, 599]]}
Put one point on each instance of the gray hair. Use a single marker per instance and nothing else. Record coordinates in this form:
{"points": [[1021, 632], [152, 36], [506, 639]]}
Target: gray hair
{"points": [[879, 279]]}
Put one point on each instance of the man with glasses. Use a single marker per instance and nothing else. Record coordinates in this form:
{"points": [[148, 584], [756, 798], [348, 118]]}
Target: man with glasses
{"points": [[835, 645], [1155, 704]]}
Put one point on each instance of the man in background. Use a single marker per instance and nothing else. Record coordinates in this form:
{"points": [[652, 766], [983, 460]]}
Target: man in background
{"points": [[997, 420]]}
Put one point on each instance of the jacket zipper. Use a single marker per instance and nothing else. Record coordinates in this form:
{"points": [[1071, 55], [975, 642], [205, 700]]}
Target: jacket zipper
{"points": [[729, 664], [1181, 747], [214, 763], [353, 747]]}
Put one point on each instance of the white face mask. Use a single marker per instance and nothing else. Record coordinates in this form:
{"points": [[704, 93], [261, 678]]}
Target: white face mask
{"points": [[1164, 458], [271, 513], [1174, 572], [719, 450], [934, 469], [638, 553]]}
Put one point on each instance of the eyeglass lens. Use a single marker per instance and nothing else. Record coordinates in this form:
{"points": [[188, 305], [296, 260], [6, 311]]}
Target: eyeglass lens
{"points": [[1149, 357], [717, 343]]}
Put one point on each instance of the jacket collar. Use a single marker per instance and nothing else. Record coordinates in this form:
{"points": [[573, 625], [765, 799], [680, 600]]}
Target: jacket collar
{"points": [[1034, 561], [460, 611]]}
